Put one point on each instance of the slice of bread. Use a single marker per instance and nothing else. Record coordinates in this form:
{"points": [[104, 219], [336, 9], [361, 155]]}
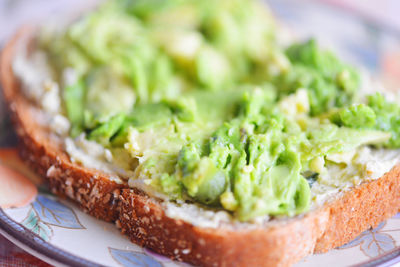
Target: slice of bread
{"points": [[278, 243]]}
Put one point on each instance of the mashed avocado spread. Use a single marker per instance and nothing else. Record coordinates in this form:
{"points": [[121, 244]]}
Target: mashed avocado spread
{"points": [[201, 102]]}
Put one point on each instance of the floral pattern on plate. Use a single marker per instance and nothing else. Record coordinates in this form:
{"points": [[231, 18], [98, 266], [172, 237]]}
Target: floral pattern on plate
{"points": [[374, 242], [46, 212], [129, 258]]}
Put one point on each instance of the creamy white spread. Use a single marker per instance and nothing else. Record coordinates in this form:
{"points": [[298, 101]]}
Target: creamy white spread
{"points": [[197, 215], [92, 155]]}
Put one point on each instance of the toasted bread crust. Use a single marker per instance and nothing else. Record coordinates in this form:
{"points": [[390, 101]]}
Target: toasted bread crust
{"points": [[143, 219]]}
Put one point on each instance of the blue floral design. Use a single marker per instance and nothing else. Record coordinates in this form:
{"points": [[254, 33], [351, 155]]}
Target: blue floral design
{"points": [[33, 223], [159, 257], [45, 213], [55, 213], [373, 242], [128, 258]]}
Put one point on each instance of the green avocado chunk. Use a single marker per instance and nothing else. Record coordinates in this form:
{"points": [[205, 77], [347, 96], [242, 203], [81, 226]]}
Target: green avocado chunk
{"points": [[330, 82], [74, 100], [378, 114], [150, 115], [330, 138], [103, 133], [357, 116], [206, 183], [387, 118]]}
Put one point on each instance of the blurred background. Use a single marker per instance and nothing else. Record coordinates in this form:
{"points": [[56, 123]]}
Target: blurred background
{"points": [[363, 32], [15, 12], [366, 29]]}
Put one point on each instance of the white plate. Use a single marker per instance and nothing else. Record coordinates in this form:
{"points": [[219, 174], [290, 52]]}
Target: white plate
{"points": [[59, 233]]}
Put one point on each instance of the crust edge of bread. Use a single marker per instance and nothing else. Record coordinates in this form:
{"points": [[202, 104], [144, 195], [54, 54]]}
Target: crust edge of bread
{"points": [[145, 222]]}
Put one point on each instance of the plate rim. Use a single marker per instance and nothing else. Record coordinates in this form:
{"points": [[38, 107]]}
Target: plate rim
{"points": [[34, 244], [387, 259]]}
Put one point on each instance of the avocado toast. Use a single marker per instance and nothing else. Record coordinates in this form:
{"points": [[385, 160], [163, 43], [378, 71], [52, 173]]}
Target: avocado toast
{"points": [[222, 151]]}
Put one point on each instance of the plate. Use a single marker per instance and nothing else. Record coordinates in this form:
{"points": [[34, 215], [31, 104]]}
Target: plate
{"points": [[58, 232]]}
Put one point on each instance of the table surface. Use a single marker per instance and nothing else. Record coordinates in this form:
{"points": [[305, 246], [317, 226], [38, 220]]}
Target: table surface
{"points": [[14, 13]]}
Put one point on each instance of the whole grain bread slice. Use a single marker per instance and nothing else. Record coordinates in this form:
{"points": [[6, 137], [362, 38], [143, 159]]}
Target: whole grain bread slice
{"points": [[143, 219]]}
